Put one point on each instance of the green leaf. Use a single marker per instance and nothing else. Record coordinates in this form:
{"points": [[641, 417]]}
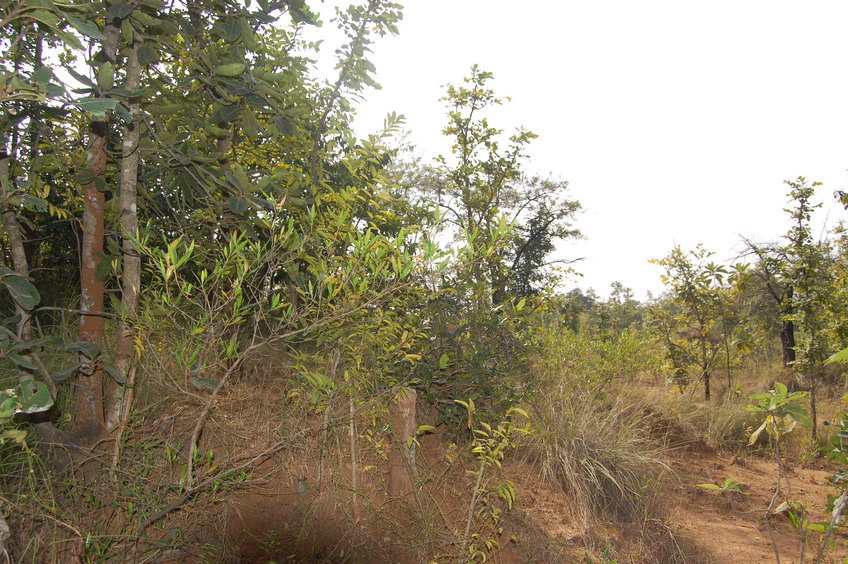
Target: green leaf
{"points": [[443, 361], [81, 78], [232, 29], [87, 28], [250, 125], [127, 31], [35, 397], [22, 290], [65, 373], [42, 75], [8, 404], [709, 487], [840, 357], [230, 69], [201, 382], [104, 267], [17, 435], [147, 55], [45, 17], [113, 372], [285, 124], [86, 348], [22, 361], [32, 203], [237, 204], [96, 106], [106, 76], [229, 113], [520, 305], [120, 10]]}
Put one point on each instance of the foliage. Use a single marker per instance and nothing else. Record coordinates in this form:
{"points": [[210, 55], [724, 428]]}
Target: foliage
{"points": [[782, 412], [489, 445], [484, 183], [697, 325], [728, 487]]}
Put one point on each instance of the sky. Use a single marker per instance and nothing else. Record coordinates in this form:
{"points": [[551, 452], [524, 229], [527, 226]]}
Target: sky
{"points": [[674, 122]]}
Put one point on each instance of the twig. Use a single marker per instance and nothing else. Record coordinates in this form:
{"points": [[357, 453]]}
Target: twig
{"points": [[838, 508], [472, 506]]}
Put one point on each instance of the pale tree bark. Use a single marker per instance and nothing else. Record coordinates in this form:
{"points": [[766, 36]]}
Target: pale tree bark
{"points": [[119, 398], [89, 421]]}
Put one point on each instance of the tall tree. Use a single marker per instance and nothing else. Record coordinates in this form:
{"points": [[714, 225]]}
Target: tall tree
{"points": [[485, 184]]}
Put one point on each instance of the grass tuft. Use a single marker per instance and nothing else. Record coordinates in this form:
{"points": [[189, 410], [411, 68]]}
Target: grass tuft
{"points": [[598, 450]]}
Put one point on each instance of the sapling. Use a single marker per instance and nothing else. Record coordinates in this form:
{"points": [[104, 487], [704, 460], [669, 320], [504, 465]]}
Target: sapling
{"points": [[782, 411], [730, 489]]}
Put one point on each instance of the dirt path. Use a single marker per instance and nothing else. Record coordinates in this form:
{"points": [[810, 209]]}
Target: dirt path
{"points": [[730, 529]]}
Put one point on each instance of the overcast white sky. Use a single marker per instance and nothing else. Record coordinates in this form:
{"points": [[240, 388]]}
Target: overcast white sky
{"points": [[674, 121]]}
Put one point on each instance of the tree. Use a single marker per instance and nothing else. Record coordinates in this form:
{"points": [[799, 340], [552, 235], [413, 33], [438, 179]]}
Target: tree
{"points": [[484, 182], [799, 277], [698, 329], [809, 273]]}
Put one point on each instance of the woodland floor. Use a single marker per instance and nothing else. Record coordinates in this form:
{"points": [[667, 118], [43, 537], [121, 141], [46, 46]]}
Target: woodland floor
{"points": [[260, 524], [297, 507]]}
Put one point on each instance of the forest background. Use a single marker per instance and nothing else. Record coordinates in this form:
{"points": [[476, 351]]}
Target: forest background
{"points": [[189, 216]]}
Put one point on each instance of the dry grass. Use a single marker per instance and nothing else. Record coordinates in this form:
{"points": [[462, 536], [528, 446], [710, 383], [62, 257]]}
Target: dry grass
{"points": [[598, 450], [720, 424]]}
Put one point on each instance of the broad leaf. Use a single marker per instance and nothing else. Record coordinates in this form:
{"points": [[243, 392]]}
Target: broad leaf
{"points": [[230, 69], [113, 372], [22, 290], [22, 361], [120, 10], [64, 374], [86, 28], [106, 76], [35, 397], [96, 106], [147, 55], [840, 357], [86, 348]]}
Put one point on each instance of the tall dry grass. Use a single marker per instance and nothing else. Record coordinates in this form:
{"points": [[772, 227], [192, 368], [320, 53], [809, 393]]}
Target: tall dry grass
{"points": [[597, 448]]}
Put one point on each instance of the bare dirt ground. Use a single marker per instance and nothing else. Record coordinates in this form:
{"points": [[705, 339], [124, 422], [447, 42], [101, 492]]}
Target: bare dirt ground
{"points": [[297, 506], [731, 528]]}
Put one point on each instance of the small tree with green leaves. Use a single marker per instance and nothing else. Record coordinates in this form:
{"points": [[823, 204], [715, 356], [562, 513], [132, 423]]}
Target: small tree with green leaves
{"points": [[781, 411], [697, 323]]}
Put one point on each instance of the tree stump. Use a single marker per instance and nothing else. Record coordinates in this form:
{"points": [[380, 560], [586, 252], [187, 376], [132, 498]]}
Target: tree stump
{"points": [[402, 454]]}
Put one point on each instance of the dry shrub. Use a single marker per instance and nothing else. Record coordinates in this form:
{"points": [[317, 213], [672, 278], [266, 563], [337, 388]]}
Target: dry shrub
{"points": [[598, 450]]}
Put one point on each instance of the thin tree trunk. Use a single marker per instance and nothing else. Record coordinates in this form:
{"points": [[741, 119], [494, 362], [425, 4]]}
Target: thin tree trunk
{"points": [[120, 398], [813, 408], [787, 330], [705, 370], [89, 417]]}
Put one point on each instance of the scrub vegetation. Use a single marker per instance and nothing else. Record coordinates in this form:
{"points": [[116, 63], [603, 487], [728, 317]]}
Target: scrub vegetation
{"points": [[235, 331]]}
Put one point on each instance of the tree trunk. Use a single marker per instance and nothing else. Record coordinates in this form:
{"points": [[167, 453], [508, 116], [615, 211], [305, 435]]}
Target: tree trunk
{"points": [[89, 421], [119, 397], [787, 330], [813, 409]]}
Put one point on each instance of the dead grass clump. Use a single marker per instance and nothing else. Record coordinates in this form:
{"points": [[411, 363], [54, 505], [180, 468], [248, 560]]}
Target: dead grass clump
{"points": [[721, 424], [598, 451]]}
